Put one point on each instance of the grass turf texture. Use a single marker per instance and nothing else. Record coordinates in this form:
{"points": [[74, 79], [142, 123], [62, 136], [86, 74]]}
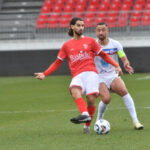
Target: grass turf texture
{"points": [[34, 115]]}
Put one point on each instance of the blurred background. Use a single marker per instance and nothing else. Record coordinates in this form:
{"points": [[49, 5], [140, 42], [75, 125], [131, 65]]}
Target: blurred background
{"points": [[32, 32]]}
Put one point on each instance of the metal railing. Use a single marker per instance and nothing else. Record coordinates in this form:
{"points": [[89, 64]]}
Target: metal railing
{"points": [[24, 25]]}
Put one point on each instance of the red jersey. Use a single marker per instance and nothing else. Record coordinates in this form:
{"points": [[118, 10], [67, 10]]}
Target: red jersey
{"points": [[80, 54]]}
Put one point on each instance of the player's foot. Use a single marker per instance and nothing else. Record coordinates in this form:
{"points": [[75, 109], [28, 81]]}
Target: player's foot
{"points": [[81, 119], [86, 130], [138, 126]]}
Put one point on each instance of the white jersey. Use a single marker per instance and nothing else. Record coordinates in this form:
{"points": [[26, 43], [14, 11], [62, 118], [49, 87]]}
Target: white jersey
{"points": [[112, 49]]}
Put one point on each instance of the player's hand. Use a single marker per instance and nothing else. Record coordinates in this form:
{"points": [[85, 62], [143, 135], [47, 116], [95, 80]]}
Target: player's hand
{"points": [[129, 69], [119, 71], [39, 75]]}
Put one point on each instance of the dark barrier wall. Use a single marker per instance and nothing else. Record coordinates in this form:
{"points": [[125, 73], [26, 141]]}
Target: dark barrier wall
{"points": [[18, 63]]}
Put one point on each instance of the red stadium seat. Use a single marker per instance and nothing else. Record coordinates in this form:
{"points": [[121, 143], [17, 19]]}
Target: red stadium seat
{"points": [[59, 3], [57, 9], [98, 20], [138, 7], [64, 22], [136, 13], [118, 2], [102, 7], [79, 8], [68, 8], [67, 16], [125, 7], [90, 13], [124, 15], [114, 7], [128, 2], [134, 21], [70, 2], [78, 14], [141, 2], [52, 22], [88, 22], [81, 2], [122, 22], [145, 21], [55, 15], [147, 7], [94, 2], [45, 9], [113, 14], [146, 13], [41, 21], [106, 2], [101, 15], [48, 3], [91, 8], [111, 21]]}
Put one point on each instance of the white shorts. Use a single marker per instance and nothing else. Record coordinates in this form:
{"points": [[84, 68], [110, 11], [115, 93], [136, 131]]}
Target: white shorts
{"points": [[107, 78], [87, 81]]}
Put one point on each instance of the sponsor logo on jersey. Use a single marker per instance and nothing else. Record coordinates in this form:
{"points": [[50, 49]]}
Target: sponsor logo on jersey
{"points": [[82, 55]]}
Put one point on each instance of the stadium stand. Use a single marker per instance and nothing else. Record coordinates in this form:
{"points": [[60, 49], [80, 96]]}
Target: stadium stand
{"points": [[94, 10], [26, 19], [18, 17]]}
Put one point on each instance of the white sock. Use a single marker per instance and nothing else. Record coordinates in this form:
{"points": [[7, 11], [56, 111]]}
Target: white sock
{"points": [[85, 113], [101, 110], [130, 106]]}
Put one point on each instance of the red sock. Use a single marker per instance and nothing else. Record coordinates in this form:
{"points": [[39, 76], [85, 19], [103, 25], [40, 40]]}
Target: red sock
{"points": [[91, 111], [81, 105]]}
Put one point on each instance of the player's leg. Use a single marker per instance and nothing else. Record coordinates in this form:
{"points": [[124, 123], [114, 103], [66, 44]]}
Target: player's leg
{"points": [[91, 99], [81, 104], [91, 87], [118, 86], [105, 99], [76, 90]]}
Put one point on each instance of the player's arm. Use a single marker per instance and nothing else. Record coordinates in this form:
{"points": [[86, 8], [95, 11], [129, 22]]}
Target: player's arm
{"points": [[52, 68], [125, 62]]}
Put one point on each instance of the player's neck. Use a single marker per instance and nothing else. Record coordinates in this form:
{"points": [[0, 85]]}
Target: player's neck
{"points": [[77, 37], [103, 42]]}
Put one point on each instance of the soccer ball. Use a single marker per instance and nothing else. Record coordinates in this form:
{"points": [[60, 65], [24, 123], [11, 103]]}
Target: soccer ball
{"points": [[102, 126]]}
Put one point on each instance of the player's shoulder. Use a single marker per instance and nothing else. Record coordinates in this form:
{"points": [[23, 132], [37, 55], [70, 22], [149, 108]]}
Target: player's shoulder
{"points": [[115, 42], [89, 38]]}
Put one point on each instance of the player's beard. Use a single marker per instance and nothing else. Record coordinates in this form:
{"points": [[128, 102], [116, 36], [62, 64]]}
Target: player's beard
{"points": [[102, 38], [79, 33]]}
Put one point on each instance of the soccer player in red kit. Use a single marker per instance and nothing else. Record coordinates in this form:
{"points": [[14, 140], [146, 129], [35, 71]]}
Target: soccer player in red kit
{"points": [[80, 52]]}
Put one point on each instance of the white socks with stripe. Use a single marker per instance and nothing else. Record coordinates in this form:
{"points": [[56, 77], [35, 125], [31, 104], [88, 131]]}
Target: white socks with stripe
{"points": [[129, 103], [101, 110], [131, 107]]}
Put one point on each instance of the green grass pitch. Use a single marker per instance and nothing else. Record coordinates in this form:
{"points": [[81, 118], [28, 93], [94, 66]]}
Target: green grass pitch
{"points": [[35, 115]]}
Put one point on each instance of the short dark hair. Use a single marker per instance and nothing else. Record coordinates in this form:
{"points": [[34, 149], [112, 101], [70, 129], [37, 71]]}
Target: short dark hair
{"points": [[102, 23], [73, 22]]}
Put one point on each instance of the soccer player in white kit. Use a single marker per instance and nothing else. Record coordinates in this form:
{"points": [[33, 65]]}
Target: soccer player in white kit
{"points": [[80, 52], [109, 79]]}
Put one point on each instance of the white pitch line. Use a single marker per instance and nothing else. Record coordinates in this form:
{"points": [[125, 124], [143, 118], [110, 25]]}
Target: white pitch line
{"points": [[67, 110], [143, 78]]}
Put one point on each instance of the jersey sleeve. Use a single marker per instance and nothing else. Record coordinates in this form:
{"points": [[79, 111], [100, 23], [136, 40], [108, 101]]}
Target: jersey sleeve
{"points": [[120, 50], [62, 55], [97, 48]]}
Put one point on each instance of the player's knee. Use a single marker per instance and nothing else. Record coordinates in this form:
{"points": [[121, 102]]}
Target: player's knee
{"points": [[91, 99], [123, 92], [105, 98]]}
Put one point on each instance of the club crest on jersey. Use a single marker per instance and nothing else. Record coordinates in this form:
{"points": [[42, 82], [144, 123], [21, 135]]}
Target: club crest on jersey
{"points": [[85, 46]]}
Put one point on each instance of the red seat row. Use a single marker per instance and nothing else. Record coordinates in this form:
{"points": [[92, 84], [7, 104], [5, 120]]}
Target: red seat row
{"points": [[91, 22], [114, 12]]}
